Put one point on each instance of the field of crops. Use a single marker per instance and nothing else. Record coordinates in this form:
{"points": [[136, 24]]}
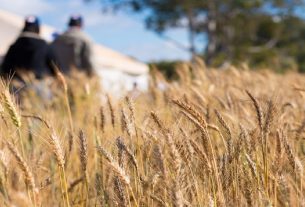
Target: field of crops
{"points": [[211, 138]]}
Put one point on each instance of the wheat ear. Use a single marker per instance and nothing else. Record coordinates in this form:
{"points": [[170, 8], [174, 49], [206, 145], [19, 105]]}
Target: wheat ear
{"points": [[114, 166], [83, 154], [59, 155], [29, 178]]}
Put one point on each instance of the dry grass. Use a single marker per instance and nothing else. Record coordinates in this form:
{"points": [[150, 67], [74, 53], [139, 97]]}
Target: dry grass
{"points": [[212, 138]]}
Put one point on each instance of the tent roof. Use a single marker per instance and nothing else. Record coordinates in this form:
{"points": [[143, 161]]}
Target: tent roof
{"points": [[104, 57]]}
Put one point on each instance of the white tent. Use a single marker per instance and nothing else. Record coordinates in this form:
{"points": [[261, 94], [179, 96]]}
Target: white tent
{"points": [[117, 71]]}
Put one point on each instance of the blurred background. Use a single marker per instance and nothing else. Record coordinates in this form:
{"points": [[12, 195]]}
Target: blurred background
{"points": [[261, 33], [120, 30]]}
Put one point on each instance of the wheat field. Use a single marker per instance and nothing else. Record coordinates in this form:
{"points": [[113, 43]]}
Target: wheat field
{"points": [[233, 137]]}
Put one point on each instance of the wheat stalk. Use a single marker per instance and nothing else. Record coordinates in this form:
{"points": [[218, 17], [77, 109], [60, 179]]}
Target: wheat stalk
{"points": [[63, 81], [130, 105], [111, 109], [59, 155], [258, 109], [102, 119], [29, 178], [57, 150], [114, 166], [83, 153], [121, 145], [120, 192], [10, 106], [169, 139], [201, 123]]}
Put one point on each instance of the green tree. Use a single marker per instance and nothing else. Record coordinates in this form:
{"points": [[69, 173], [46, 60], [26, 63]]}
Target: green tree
{"points": [[257, 31]]}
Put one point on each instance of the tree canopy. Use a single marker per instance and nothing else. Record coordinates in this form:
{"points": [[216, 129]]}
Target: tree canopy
{"points": [[260, 32]]}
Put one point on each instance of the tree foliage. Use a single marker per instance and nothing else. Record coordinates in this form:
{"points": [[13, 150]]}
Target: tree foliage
{"points": [[261, 32]]}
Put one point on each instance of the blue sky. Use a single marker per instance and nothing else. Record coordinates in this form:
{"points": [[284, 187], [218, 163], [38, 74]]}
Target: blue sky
{"points": [[122, 32]]}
